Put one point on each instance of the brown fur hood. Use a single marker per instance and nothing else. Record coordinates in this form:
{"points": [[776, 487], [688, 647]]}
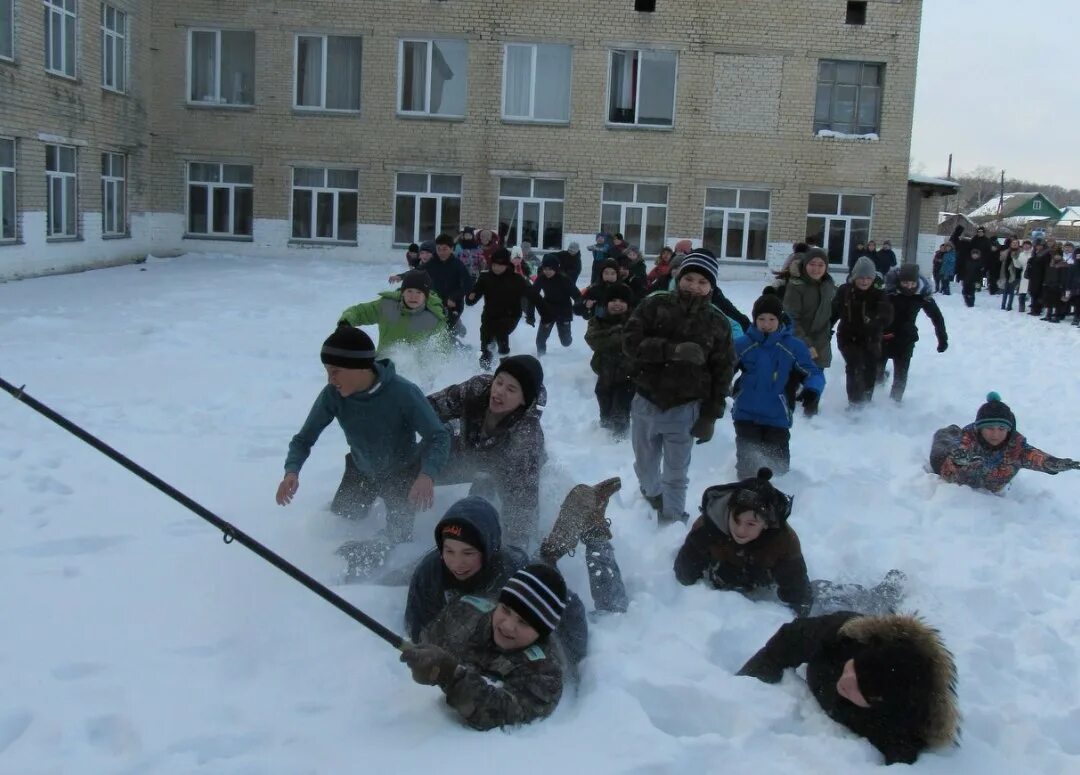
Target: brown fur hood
{"points": [[942, 714]]}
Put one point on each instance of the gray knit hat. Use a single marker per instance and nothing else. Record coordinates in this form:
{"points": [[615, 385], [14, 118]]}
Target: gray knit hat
{"points": [[864, 268]]}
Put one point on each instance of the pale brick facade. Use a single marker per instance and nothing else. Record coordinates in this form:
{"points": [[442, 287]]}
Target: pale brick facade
{"points": [[747, 76]]}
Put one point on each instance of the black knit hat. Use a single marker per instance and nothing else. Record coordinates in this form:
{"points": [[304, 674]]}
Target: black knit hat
{"points": [[527, 371], [909, 273], [892, 674], [417, 280], [995, 412], [536, 593], [620, 291], [501, 256], [348, 348], [759, 496], [608, 263], [768, 304], [550, 261]]}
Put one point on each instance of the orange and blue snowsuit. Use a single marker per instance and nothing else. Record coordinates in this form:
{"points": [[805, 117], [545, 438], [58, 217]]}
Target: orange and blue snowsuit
{"points": [[961, 456]]}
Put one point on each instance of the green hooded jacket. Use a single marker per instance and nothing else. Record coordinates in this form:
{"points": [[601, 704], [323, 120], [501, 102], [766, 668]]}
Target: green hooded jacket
{"points": [[398, 325]]}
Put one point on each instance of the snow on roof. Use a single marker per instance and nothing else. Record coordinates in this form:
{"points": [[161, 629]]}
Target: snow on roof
{"points": [[1070, 216], [929, 180], [990, 207]]}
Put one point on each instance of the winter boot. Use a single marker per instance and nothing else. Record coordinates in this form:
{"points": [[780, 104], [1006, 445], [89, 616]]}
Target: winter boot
{"points": [[581, 519], [656, 502]]}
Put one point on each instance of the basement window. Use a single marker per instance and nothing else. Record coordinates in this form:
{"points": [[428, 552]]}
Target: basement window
{"points": [[856, 12]]}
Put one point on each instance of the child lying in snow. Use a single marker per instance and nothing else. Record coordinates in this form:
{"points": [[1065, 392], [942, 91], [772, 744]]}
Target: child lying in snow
{"points": [[988, 453]]}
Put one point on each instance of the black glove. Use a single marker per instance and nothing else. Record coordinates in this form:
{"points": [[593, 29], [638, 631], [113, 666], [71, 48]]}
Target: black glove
{"points": [[703, 429], [430, 665], [809, 399], [530, 321], [942, 345], [689, 352], [1055, 465]]}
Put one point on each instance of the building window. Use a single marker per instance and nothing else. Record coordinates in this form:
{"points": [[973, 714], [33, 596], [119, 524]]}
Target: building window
{"points": [[1036, 204], [642, 87], [426, 206], [221, 67], [324, 204], [638, 211], [60, 33], [7, 29], [856, 12], [432, 77], [114, 65], [113, 194], [839, 222], [328, 72], [62, 203], [220, 199], [7, 189], [736, 223], [536, 82], [848, 97], [531, 210]]}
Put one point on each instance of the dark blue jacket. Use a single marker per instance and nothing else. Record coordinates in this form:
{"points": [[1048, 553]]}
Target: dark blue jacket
{"points": [[433, 587], [450, 279], [772, 364]]}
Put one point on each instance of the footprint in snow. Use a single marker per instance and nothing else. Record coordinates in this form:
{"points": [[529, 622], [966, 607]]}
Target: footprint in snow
{"points": [[113, 734], [68, 547], [73, 671], [47, 484], [207, 748]]}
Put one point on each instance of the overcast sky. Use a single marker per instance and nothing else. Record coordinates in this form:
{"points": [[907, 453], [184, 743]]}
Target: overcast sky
{"points": [[989, 97]]}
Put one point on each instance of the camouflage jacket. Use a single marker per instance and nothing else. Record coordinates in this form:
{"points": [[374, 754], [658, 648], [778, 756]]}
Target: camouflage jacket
{"points": [[664, 320], [493, 688], [604, 336]]}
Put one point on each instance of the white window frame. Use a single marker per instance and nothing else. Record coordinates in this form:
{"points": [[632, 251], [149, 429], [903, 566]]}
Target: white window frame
{"points": [[210, 187], [1036, 204], [746, 212], [428, 194], [639, 50], [531, 118], [10, 22], [117, 218], [541, 202], [116, 41], [59, 8], [9, 173], [335, 193], [643, 206], [217, 101], [838, 216], [321, 107], [427, 79], [59, 178]]}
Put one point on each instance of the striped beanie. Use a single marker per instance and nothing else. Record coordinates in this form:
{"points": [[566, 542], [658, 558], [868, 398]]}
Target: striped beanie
{"points": [[536, 593], [995, 412], [701, 261], [348, 348]]}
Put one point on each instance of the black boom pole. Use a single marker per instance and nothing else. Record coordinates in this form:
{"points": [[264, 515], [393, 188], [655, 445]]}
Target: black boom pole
{"points": [[229, 532]]}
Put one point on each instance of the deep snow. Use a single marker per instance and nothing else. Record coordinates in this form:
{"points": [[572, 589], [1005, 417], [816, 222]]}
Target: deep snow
{"points": [[134, 640]]}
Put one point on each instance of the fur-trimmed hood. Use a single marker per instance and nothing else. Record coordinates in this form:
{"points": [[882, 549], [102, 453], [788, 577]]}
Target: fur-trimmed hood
{"points": [[942, 726]]}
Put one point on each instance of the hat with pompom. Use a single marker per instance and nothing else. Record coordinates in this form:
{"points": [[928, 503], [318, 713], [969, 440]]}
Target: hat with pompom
{"points": [[759, 496], [995, 412]]}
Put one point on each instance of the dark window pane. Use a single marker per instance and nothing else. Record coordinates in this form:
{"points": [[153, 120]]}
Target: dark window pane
{"points": [[220, 216], [856, 205], [655, 226], [197, 210], [301, 214], [759, 236], [827, 204], [836, 237], [428, 212], [713, 233], [754, 200], [243, 214], [404, 219], [515, 187], [736, 228], [815, 230], [324, 215], [347, 216], [553, 225], [720, 197], [609, 218], [451, 215], [508, 222]]}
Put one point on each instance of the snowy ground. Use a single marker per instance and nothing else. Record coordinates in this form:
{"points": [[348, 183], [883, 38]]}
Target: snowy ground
{"points": [[135, 641]]}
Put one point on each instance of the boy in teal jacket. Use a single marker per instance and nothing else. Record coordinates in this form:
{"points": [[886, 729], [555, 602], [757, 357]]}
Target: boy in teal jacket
{"points": [[412, 315], [381, 414]]}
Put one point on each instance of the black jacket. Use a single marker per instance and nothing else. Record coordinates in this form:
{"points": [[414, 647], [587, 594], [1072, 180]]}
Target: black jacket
{"points": [[903, 330], [570, 264], [450, 279], [433, 587], [1036, 271], [918, 715], [862, 316], [968, 269], [559, 295], [503, 294], [884, 260], [722, 303]]}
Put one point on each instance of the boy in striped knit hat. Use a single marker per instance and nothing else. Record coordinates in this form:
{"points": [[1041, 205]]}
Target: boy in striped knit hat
{"points": [[495, 661]]}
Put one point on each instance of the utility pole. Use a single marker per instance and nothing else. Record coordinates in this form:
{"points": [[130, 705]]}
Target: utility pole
{"points": [[948, 173], [1001, 195]]}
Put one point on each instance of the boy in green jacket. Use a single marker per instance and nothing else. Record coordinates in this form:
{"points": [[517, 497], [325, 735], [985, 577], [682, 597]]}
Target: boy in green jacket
{"points": [[411, 315], [381, 414]]}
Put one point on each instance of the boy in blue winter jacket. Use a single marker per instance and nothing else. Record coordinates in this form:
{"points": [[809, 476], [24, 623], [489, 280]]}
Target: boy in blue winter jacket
{"points": [[774, 362]]}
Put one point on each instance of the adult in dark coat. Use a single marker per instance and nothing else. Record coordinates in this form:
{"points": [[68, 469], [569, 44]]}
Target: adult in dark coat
{"points": [[910, 293], [862, 311], [884, 259], [721, 549], [888, 678], [969, 260], [988, 249], [1036, 274]]}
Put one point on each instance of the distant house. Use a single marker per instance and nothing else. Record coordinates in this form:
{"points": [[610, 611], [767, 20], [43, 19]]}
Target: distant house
{"points": [[948, 221], [1016, 210], [1068, 225]]}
